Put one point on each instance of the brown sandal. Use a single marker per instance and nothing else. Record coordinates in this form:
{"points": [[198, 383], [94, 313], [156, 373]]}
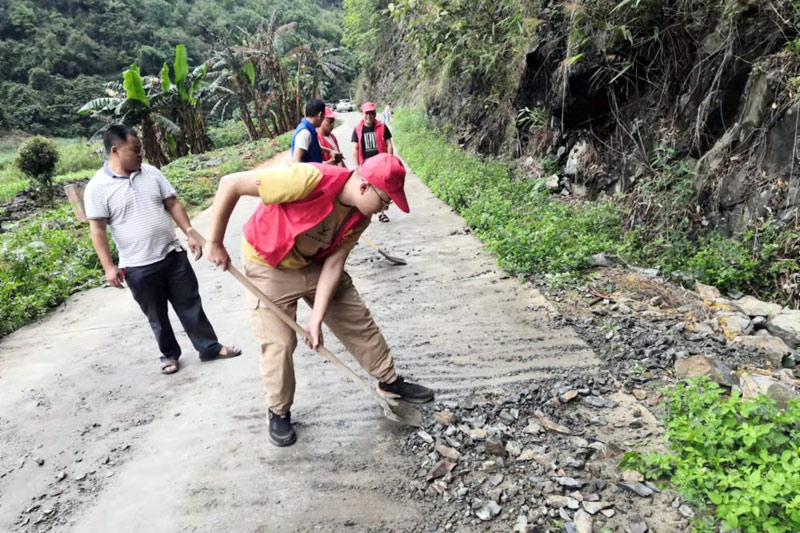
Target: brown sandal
{"points": [[170, 366], [230, 351]]}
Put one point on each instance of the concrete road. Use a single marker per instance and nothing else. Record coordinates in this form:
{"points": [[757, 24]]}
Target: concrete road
{"points": [[126, 449]]}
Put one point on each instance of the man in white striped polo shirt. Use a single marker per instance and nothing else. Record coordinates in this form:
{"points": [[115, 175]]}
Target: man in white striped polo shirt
{"points": [[138, 203]]}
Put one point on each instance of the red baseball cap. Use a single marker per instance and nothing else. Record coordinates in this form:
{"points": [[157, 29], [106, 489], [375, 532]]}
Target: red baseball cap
{"points": [[367, 106], [330, 114], [387, 173]]}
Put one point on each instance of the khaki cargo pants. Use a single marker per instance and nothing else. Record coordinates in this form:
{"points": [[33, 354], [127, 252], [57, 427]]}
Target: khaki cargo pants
{"points": [[348, 318]]}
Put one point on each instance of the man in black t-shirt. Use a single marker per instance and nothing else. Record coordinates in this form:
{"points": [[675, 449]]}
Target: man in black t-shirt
{"points": [[370, 138]]}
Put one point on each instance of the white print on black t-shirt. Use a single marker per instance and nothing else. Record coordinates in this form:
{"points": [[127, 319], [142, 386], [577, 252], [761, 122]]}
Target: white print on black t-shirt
{"points": [[370, 144]]}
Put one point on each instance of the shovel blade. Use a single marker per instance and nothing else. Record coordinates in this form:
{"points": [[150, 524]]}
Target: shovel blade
{"points": [[392, 259], [399, 411]]}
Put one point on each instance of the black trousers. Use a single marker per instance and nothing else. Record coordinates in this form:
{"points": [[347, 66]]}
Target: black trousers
{"points": [[172, 280]]}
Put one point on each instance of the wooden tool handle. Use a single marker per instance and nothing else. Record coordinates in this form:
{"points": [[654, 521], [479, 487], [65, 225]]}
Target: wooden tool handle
{"points": [[286, 319], [370, 243]]}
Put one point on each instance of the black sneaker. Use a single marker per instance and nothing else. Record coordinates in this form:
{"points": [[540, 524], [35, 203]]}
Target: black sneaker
{"points": [[383, 218], [404, 390], [281, 432]]}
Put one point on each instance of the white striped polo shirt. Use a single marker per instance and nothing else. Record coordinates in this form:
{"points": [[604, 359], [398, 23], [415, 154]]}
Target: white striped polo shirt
{"points": [[134, 209]]}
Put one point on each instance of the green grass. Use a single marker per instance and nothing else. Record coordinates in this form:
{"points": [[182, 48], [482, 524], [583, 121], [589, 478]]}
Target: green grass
{"points": [[77, 154], [513, 215], [42, 262], [195, 177], [46, 258]]}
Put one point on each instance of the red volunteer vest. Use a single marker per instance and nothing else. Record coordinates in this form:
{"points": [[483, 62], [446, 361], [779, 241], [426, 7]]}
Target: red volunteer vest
{"points": [[272, 229], [379, 133], [325, 144]]}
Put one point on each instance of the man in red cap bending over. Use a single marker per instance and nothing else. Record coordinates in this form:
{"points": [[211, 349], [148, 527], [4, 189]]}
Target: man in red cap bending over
{"points": [[295, 246], [370, 138]]}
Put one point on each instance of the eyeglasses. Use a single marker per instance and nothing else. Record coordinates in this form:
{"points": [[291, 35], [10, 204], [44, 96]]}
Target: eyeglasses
{"points": [[384, 203]]}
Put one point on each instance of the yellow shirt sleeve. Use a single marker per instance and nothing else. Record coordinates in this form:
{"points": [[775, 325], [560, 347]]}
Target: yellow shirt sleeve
{"points": [[287, 184]]}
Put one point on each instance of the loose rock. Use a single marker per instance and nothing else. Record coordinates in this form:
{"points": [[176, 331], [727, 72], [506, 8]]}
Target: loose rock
{"points": [[488, 511], [444, 417], [597, 401], [440, 469], [632, 475], [595, 507], [556, 501], [495, 447], [637, 488], [702, 365], [513, 448], [755, 307], [570, 482], [424, 435], [568, 396], [447, 452], [549, 425], [707, 292], [774, 347], [753, 385], [786, 325], [583, 522]]}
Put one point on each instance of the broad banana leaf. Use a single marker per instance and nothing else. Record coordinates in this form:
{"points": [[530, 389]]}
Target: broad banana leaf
{"points": [[166, 124], [250, 71], [98, 104], [197, 82], [132, 81], [166, 84], [172, 144], [181, 67]]}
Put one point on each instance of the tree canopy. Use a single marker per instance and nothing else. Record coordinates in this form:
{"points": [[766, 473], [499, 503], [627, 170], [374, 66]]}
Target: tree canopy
{"points": [[55, 54]]}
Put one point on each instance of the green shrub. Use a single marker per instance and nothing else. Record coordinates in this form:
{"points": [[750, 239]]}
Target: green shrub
{"points": [[739, 457], [756, 263], [37, 158]]}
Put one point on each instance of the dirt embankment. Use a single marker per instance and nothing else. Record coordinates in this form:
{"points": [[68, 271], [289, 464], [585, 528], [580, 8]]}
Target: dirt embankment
{"points": [[613, 92]]}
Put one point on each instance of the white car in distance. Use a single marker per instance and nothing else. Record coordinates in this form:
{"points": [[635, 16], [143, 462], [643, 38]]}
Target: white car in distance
{"points": [[344, 106]]}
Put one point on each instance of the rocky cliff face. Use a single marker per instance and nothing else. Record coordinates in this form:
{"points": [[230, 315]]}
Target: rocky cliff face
{"points": [[605, 90]]}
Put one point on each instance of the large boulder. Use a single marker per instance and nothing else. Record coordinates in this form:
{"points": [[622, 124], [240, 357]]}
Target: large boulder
{"points": [[703, 365], [786, 325], [707, 292], [774, 348], [755, 307], [753, 385], [734, 324]]}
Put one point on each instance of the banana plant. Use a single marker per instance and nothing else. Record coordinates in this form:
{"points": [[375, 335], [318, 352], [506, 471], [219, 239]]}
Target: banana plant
{"points": [[254, 67], [186, 93], [188, 86], [138, 104]]}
